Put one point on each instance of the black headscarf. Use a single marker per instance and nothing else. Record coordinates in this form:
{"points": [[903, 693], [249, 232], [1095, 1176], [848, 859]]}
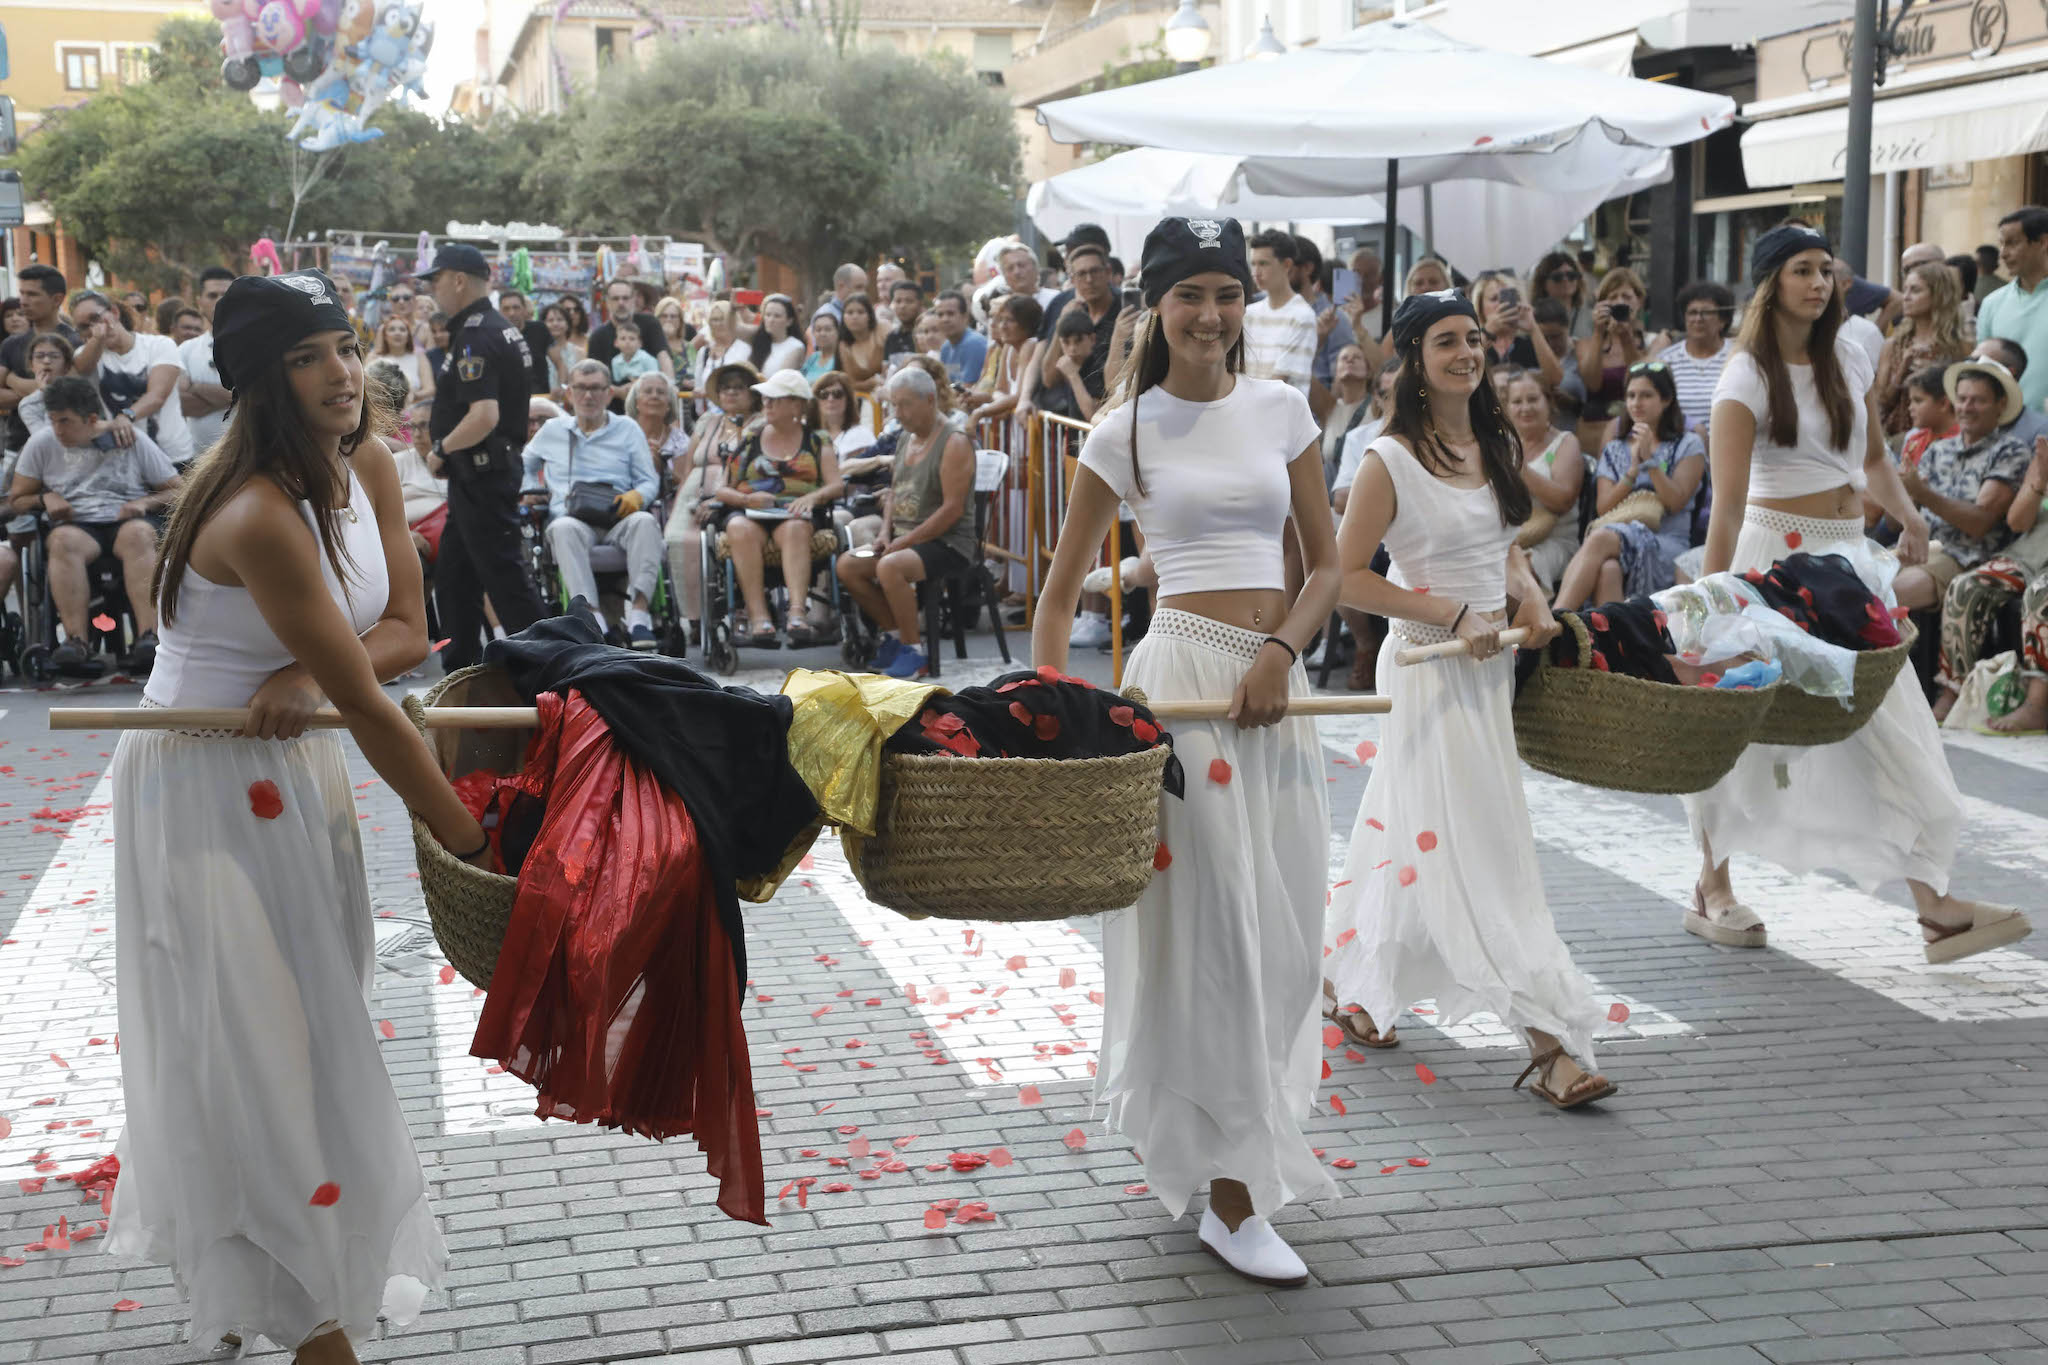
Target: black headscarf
{"points": [[263, 316], [1780, 245], [1420, 312], [1177, 248]]}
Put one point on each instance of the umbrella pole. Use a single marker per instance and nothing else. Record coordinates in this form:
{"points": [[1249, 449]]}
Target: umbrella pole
{"points": [[1388, 268]]}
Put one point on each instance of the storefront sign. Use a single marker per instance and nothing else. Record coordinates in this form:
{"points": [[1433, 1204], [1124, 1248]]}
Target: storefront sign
{"points": [[1953, 32]]}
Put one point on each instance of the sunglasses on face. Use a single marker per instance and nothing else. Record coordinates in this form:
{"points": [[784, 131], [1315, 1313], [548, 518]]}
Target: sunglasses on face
{"points": [[401, 298], [1564, 277]]}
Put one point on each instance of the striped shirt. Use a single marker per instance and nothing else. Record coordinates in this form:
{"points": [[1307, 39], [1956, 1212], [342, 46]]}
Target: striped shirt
{"points": [[1280, 343], [1695, 380]]}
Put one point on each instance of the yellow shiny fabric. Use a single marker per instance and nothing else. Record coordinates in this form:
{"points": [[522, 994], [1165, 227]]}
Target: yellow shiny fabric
{"points": [[835, 744]]}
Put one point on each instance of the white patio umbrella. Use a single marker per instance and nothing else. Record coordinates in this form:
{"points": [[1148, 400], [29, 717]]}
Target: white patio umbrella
{"points": [[1398, 103], [1479, 224]]}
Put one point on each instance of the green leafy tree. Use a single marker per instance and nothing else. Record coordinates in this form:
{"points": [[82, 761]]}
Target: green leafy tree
{"points": [[775, 143], [161, 179]]}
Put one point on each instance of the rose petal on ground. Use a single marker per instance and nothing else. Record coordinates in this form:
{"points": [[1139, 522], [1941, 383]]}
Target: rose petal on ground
{"points": [[1067, 978], [1367, 751], [1418, 1161], [858, 1147], [1337, 1103], [1332, 1036], [1017, 963], [1137, 1189], [1076, 1139], [1388, 1170], [126, 1306], [1617, 1013], [265, 800], [1424, 1074], [387, 1028], [447, 976], [326, 1196], [5, 1126], [935, 1219], [1000, 1156], [1344, 1163], [1028, 1094]]}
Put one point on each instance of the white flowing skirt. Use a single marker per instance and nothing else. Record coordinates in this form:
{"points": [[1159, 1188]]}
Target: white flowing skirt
{"points": [[249, 1067], [1879, 805], [1441, 897], [1211, 1051]]}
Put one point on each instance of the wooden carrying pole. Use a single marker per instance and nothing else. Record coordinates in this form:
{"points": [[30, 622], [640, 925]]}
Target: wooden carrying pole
{"points": [[1451, 648], [526, 717]]}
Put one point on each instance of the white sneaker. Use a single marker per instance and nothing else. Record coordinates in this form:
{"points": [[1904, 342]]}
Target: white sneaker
{"points": [[1254, 1251], [1089, 631]]}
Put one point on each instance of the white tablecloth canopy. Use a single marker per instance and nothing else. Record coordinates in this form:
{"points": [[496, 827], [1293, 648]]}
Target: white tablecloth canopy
{"points": [[1448, 110], [1478, 224]]}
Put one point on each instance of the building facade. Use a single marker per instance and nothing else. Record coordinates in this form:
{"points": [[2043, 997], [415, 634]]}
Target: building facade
{"points": [[1958, 130]]}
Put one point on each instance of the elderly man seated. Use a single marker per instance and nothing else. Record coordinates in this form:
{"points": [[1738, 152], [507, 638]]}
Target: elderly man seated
{"points": [[98, 495], [1965, 482], [927, 521], [593, 471]]}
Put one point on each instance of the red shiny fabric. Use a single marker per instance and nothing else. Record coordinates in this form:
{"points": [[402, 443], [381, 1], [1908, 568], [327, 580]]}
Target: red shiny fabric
{"points": [[614, 994]]}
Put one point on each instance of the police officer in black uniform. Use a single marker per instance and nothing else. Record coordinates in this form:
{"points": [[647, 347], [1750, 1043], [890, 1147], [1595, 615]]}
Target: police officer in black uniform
{"points": [[479, 429]]}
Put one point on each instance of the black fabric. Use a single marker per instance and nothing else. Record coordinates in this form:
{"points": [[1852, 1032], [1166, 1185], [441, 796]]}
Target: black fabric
{"points": [[940, 560], [481, 552], [486, 359], [1420, 312], [1780, 245], [723, 750], [1627, 637], [260, 317], [538, 340], [1177, 248], [1036, 714], [1822, 595]]}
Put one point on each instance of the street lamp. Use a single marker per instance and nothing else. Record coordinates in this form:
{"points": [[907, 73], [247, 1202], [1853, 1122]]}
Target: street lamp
{"points": [[1268, 46], [1187, 36]]}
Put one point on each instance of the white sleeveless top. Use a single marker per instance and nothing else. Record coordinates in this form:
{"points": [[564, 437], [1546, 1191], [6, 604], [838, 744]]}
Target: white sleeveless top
{"points": [[1445, 540], [220, 650]]}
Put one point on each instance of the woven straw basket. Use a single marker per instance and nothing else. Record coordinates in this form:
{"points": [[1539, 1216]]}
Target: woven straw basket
{"points": [[1629, 734], [1012, 839], [1800, 718], [467, 906]]}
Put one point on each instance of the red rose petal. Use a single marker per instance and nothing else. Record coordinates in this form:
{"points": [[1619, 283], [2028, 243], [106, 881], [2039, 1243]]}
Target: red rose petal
{"points": [[1219, 772], [1326, 1068], [1137, 1189], [1161, 858], [1418, 1161], [1028, 1094], [1076, 1139], [1344, 1163], [1367, 751], [1407, 876], [1426, 841], [1145, 730], [1598, 619], [1388, 1170], [1424, 1074], [1332, 1036], [11, 1262], [5, 1126], [1046, 727], [447, 976], [1793, 540], [858, 1147], [126, 1306], [1375, 824], [1122, 715], [326, 1196], [1337, 1103], [1016, 964], [387, 1028], [265, 800], [1000, 1157], [103, 623], [935, 1219], [1618, 1012], [1067, 979], [1020, 713]]}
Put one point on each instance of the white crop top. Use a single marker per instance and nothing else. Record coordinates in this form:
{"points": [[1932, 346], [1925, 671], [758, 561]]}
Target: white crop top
{"points": [[1216, 484], [220, 649], [1810, 465], [1444, 540]]}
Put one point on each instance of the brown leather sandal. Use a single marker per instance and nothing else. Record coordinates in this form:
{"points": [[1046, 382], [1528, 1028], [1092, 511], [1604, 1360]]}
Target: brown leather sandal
{"points": [[1373, 1037], [1992, 927], [1541, 1089]]}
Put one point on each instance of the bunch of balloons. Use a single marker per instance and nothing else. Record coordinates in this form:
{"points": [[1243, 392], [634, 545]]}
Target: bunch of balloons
{"points": [[336, 61]]}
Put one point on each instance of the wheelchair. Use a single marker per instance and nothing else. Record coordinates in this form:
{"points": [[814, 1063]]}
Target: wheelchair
{"points": [[608, 568], [722, 598], [32, 632]]}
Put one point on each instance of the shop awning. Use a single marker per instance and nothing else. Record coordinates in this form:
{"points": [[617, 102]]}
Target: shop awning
{"points": [[1963, 123], [1614, 54]]}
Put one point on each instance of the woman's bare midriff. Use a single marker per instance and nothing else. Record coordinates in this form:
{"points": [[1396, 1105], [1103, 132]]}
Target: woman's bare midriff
{"points": [[1259, 609], [1836, 504]]}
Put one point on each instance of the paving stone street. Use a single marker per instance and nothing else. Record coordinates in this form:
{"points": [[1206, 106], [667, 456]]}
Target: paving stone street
{"points": [[1824, 1151]]}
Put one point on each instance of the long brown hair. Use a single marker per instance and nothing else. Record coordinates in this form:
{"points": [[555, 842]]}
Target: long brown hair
{"points": [[1759, 337], [1144, 368], [266, 438], [1500, 447]]}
